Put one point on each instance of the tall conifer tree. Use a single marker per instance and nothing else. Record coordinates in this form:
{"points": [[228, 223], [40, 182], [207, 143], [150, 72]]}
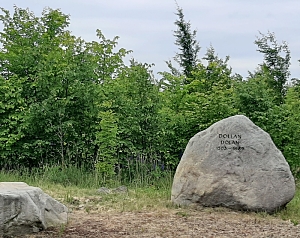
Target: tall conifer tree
{"points": [[189, 47]]}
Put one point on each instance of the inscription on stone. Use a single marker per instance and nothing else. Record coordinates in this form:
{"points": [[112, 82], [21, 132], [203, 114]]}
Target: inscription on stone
{"points": [[233, 164], [230, 142]]}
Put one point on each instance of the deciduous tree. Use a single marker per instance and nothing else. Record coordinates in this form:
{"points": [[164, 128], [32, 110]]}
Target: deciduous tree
{"points": [[276, 63]]}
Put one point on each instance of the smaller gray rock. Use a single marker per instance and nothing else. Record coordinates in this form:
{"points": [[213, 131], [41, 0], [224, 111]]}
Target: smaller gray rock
{"points": [[25, 209], [121, 189], [104, 190]]}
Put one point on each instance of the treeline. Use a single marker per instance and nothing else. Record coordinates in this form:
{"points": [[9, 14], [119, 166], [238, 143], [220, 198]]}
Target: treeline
{"points": [[66, 101]]}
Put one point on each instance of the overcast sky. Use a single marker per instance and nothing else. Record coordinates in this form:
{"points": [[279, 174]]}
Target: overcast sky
{"points": [[146, 26]]}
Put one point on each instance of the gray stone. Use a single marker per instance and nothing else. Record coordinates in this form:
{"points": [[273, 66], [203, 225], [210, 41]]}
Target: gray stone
{"points": [[104, 190], [25, 209], [234, 164], [121, 189]]}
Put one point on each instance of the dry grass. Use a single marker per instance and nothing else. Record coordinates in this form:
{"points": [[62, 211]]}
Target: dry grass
{"points": [[148, 213], [171, 223]]}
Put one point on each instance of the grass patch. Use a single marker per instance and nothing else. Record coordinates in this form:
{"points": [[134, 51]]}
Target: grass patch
{"points": [[292, 210], [77, 188]]}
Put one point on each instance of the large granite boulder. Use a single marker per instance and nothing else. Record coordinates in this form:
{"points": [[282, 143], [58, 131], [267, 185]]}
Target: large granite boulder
{"points": [[25, 209], [234, 164]]}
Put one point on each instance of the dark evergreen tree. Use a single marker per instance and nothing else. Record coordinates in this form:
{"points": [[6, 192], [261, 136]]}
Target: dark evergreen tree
{"points": [[189, 47]]}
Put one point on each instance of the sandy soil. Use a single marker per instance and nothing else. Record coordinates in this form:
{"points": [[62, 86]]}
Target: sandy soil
{"points": [[172, 223]]}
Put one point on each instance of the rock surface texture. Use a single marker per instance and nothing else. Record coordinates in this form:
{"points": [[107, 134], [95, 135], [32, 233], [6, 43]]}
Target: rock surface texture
{"points": [[25, 209], [234, 164]]}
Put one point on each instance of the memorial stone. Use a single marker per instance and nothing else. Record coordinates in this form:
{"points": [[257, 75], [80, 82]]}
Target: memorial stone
{"points": [[234, 164]]}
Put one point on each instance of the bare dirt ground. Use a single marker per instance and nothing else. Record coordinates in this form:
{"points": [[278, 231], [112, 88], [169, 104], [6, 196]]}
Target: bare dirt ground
{"points": [[171, 223]]}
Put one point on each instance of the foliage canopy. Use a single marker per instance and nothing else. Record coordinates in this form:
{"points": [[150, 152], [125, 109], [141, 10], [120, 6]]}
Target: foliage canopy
{"points": [[65, 101]]}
